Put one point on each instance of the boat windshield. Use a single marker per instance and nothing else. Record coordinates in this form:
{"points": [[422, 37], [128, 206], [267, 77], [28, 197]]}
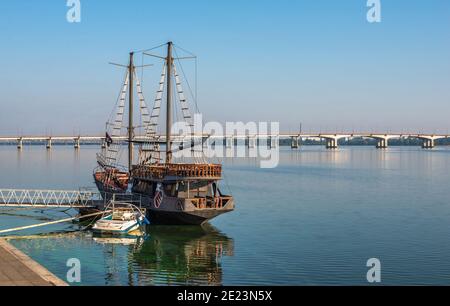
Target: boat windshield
{"points": [[123, 215]]}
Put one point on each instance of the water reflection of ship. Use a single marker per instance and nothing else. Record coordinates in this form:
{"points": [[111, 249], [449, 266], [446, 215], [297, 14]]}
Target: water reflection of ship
{"points": [[182, 256], [170, 255], [115, 254]]}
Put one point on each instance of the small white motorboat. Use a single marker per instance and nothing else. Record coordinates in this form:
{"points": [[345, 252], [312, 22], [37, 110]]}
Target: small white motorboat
{"points": [[120, 218]]}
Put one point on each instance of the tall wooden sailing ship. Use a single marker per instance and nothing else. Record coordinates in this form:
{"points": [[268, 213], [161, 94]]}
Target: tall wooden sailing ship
{"points": [[173, 192]]}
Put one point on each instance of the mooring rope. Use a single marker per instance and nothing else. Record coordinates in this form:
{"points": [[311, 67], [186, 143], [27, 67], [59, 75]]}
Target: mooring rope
{"points": [[50, 223]]}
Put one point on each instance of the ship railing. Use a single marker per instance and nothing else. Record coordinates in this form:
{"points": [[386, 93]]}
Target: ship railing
{"points": [[180, 170], [127, 198], [210, 202], [104, 163], [48, 198]]}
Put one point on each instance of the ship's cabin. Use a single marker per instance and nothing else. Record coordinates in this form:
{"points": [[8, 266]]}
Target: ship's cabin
{"points": [[178, 189], [197, 183]]}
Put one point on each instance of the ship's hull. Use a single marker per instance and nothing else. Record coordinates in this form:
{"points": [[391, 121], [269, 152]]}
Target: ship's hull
{"points": [[107, 190], [161, 217], [111, 181], [180, 194]]}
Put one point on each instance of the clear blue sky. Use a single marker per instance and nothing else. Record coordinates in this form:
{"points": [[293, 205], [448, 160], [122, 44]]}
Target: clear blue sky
{"points": [[313, 61]]}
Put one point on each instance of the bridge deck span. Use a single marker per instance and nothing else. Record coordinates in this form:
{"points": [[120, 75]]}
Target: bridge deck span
{"points": [[331, 139]]}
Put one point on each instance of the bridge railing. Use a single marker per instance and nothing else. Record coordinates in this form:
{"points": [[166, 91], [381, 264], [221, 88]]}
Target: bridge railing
{"points": [[48, 198]]}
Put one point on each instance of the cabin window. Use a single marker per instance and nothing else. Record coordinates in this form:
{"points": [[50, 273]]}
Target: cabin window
{"points": [[170, 190], [201, 192], [143, 187], [182, 190]]}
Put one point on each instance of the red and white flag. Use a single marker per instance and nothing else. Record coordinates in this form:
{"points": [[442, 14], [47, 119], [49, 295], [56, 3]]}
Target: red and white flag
{"points": [[157, 200]]}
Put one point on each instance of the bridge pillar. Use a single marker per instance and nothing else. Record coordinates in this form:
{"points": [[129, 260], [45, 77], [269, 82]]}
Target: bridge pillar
{"points": [[229, 142], [49, 143], [273, 142], [295, 142], [382, 143], [251, 142], [331, 143], [205, 142], [192, 145], [20, 143], [428, 144], [77, 143]]}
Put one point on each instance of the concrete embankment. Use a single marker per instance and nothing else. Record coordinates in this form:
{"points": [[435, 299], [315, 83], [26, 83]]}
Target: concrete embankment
{"points": [[17, 269]]}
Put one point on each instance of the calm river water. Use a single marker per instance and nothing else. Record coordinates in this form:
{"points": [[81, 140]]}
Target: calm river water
{"points": [[315, 219]]}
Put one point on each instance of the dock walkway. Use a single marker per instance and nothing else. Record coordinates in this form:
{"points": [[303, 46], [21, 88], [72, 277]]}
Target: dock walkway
{"points": [[17, 269]]}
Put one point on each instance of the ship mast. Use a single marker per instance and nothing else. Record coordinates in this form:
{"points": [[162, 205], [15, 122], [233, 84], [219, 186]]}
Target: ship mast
{"points": [[130, 114], [169, 61]]}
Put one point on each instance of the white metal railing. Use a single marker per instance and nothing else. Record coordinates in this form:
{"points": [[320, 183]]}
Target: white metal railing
{"points": [[48, 198]]}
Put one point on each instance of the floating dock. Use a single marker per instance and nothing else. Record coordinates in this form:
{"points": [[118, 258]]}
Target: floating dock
{"points": [[17, 269]]}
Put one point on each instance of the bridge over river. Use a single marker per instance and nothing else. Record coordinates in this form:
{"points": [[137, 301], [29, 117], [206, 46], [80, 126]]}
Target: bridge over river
{"points": [[251, 140]]}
